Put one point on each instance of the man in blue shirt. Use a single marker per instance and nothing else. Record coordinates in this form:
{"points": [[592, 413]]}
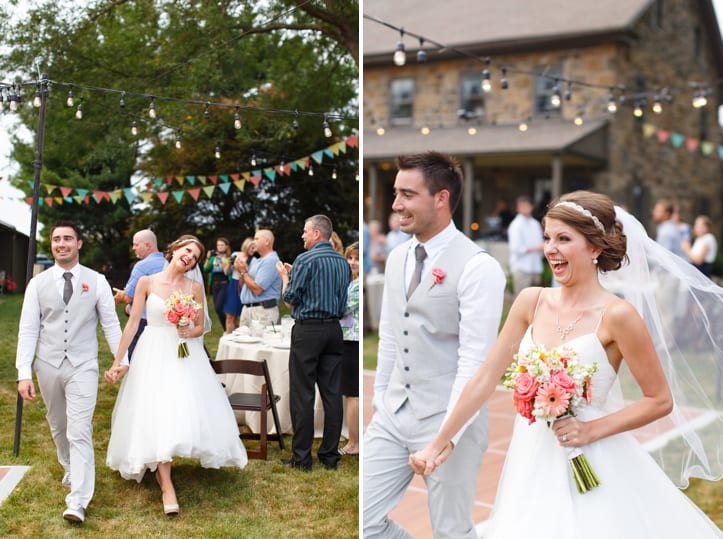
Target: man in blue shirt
{"points": [[316, 291], [260, 282], [151, 261]]}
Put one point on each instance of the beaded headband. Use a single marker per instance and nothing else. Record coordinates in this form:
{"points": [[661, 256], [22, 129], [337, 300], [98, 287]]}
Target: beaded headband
{"points": [[583, 211]]}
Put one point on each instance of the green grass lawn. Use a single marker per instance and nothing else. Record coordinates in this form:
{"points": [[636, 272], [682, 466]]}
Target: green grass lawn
{"points": [[263, 500], [708, 495]]}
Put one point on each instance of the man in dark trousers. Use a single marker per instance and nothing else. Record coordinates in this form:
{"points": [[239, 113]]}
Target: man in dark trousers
{"points": [[316, 291]]}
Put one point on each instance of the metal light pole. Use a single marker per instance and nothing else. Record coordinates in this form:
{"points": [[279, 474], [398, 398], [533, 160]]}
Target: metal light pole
{"points": [[32, 243]]}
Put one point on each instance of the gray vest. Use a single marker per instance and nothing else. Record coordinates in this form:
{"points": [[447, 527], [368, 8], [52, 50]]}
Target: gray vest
{"points": [[426, 330], [68, 330]]}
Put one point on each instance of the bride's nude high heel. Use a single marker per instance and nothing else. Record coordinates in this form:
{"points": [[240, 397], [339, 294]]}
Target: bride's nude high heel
{"points": [[170, 509]]}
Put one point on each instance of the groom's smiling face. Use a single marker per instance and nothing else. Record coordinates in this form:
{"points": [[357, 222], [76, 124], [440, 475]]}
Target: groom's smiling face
{"points": [[420, 212]]}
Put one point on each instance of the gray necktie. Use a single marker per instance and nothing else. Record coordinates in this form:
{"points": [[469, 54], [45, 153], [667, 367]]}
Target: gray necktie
{"points": [[68, 288], [420, 254]]}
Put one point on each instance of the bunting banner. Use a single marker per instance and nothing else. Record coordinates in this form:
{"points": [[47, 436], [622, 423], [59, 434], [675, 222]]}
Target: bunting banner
{"points": [[193, 186], [678, 140]]}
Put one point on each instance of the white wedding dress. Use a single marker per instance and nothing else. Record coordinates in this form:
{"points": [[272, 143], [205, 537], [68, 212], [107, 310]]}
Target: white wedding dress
{"points": [[537, 496], [170, 407]]}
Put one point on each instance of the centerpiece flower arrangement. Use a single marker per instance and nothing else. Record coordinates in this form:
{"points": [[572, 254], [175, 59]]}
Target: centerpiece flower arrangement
{"points": [[549, 385], [181, 310]]}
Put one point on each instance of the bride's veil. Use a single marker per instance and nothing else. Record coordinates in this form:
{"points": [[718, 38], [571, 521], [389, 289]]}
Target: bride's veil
{"points": [[683, 310]]}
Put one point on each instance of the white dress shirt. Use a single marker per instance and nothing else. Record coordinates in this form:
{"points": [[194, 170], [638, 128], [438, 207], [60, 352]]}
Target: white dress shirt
{"points": [[523, 233]]}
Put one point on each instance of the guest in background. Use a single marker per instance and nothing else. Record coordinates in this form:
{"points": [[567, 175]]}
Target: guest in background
{"points": [[150, 261], [336, 243], [232, 306], [526, 243], [218, 268], [377, 246], [366, 256], [667, 233], [350, 361], [705, 248], [260, 282], [316, 291], [395, 236]]}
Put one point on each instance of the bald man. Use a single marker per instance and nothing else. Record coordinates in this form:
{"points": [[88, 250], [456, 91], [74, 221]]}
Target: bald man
{"points": [[261, 284], [150, 261]]}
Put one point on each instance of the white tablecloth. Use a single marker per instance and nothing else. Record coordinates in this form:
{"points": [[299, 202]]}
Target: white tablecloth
{"points": [[278, 362]]}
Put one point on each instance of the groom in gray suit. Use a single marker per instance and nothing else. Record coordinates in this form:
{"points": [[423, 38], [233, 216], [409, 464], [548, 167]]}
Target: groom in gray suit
{"points": [[61, 310], [441, 309]]}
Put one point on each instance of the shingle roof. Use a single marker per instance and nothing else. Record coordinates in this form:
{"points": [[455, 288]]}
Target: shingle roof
{"points": [[460, 23]]}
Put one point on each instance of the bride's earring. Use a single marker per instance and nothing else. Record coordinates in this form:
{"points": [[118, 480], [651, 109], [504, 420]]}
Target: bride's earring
{"points": [[594, 261]]}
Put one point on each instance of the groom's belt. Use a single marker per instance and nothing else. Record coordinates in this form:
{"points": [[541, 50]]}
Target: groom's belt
{"points": [[266, 304]]}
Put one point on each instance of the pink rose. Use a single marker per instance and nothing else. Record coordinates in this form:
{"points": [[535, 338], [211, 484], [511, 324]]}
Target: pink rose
{"points": [[85, 287], [173, 317], [587, 391], [439, 274], [563, 380], [526, 386], [524, 408]]}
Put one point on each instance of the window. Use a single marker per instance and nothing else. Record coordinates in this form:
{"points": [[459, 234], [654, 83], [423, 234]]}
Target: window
{"points": [[544, 86], [472, 98], [402, 94]]}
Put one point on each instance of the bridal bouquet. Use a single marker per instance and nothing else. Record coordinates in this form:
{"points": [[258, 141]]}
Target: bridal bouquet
{"points": [[550, 385], [181, 309]]}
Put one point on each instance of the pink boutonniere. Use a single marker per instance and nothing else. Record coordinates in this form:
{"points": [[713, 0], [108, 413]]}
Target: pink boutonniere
{"points": [[85, 287], [439, 274]]}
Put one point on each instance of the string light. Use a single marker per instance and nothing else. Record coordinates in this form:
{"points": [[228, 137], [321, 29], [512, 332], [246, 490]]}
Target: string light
{"points": [[400, 57], [555, 99], [380, 131], [253, 159], [486, 83], [178, 140], [79, 111], [134, 128], [421, 53], [327, 129], [503, 81], [237, 120], [69, 100], [638, 110], [206, 112], [217, 153], [472, 131], [311, 169], [657, 105], [152, 108], [578, 121], [295, 123], [36, 100], [424, 130], [523, 126], [333, 174], [612, 103], [568, 91], [122, 103]]}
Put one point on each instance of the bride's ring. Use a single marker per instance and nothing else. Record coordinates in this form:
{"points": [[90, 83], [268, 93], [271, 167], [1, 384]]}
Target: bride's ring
{"points": [[564, 438]]}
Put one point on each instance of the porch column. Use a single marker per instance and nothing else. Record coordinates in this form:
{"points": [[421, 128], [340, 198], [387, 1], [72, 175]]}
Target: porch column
{"points": [[556, 176], [467, 193], [373, 183]]}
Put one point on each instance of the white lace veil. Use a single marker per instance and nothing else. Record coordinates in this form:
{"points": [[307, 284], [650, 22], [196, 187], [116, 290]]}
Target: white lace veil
{"points": [[683, 310], [197, 275]]}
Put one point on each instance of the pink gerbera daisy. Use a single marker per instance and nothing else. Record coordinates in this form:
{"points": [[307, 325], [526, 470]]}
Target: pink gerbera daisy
{"points": [[553, 400]]}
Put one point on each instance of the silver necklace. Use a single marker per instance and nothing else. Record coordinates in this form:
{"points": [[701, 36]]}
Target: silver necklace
{"points": [[564, 332]]}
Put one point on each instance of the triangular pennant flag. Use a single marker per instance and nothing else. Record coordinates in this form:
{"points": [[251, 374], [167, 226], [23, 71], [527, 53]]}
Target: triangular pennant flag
{"points": [[49, 201], [49, 189], [194, 193], [29, 200], [81, 193], [115, 195], [353, 141], [342, 147], [214, 179], [318, 156], [302, 163], [706, 148], [240, 184], [692, 144], [69, 200], [162, 196], [65, 191], [287, 169], [256, 180], [648, 130], [280, 170], [98, 196], [294, 166], [224, 178], [329, 153], [246, 175], [191, 180], [334, 148], [158, 182], [225, 187], [169, 180], [147, 196], [676, 139], [209, 190], [663, 136], [235, 177], [270, 173], [181, 180], [58, 201], [256, 173], [178, 195], [201, 179], [129, 194]]}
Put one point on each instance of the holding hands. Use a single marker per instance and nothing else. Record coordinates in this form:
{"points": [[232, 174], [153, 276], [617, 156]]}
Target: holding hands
{"points": [[427, 460], [115, 373]]}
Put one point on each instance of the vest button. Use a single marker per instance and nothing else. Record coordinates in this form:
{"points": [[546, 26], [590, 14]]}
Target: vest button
{"points": [[406, 368], [405, 332], [407, 386], [406, 315], [406, 350]]}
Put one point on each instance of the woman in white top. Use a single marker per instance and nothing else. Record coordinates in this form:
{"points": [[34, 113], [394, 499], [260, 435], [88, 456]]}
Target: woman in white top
{"points": [[705, 247]]}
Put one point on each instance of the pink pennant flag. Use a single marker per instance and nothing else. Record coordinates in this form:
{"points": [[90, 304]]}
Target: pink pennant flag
{"points": [[194, 193], [65, 191], [692, 144], [162, 196], [663, 135], [256, 180], [214, 179], [352, 141]]}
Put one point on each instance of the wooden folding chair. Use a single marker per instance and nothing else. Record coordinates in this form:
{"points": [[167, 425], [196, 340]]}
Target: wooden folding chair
{"points": [[261, 402]]}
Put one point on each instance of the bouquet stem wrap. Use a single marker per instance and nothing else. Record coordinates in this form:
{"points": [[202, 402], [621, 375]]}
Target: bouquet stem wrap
{"points": [[183, 349]]}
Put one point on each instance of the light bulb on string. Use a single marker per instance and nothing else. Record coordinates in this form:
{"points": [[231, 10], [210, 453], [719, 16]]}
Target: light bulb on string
{"points": [[327, 129], [486, 83], [36, 100], [568, 91], [638, 110], [122, 102], [70, 101], [134, 128], [612, 103], [295, 123], [2, 101], [178, 140], [217, 153], [555, 99], [152, 108], [79, 111], [503, 81], [206, 112], [13, 99], [657, 105], [253, 159], [237, 119], [523, 126], [311, 169], [578, 120], [333, 174], [421, 53], [400, 57]]}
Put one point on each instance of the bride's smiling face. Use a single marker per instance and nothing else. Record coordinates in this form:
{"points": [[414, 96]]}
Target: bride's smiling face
{"points": [[568, 252], [187, 255]]}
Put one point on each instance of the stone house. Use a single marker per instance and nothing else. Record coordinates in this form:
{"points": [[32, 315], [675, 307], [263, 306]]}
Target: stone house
{"points": [[657, 56]]}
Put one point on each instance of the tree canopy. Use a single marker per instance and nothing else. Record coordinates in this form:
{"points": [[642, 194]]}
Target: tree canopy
{"points": [[283, 67]]}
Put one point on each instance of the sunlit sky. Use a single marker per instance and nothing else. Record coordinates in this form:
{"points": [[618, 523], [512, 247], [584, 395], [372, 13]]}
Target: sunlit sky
{"points": [[17, 213]]}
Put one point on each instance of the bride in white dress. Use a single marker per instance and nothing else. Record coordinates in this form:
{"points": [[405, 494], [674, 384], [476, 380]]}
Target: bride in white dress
{"points": [[169, 406], [537, 494]]}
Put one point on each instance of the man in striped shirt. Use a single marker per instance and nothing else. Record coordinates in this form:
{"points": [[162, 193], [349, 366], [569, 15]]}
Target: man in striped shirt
{"points": [[316, 292]]}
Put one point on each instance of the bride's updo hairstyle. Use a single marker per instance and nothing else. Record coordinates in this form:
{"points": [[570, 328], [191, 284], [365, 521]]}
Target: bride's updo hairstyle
{"points": [[593, 215], [183, 241]]}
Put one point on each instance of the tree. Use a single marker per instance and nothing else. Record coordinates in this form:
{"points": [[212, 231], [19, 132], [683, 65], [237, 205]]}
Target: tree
{"points": [[267, 60]]}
